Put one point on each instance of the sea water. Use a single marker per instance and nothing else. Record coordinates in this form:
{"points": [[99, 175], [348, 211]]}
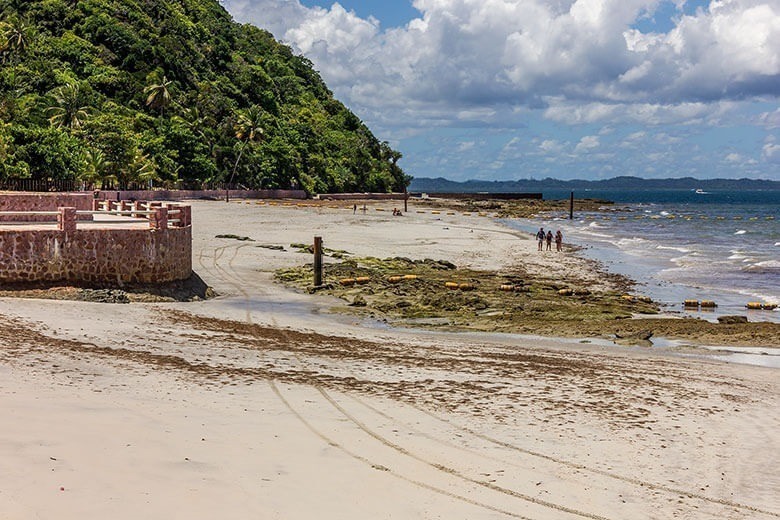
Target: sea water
{"points": [[683, 244]]}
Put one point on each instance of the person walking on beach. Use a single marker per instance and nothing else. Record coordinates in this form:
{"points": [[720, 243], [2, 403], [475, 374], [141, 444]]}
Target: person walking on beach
{"points": [[558, 240], [354, 209], [549, 240], [540, 238]]}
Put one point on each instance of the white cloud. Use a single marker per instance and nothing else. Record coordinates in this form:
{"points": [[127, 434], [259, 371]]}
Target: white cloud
{"points": [[478, 53], [770, 120], [489, 63], [551, 146], [643, 113], [771, 153], [586, 144]]}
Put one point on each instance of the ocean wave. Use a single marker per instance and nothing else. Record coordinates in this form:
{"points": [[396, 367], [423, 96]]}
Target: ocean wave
{"points": [[691, 260], [767, 266], [671, 248], [633, 241], [588, 233]]}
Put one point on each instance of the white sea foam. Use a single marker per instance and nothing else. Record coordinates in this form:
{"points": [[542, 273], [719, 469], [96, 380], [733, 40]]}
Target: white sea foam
{"points": [[766, 266], [599, 235], [633, 241], [670, 248], [687, 261]]}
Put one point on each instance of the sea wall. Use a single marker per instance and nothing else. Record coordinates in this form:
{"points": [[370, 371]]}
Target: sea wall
{"points": [[198, 194], [362, 196], [483, 196], [100, 253], [28, 201], [96, 256]]}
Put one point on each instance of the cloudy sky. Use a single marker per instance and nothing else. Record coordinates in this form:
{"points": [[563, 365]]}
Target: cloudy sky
{"points": [[518, 89]]}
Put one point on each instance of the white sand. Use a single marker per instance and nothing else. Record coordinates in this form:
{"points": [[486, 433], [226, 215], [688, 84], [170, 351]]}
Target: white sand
{"points": [[133, 412]]}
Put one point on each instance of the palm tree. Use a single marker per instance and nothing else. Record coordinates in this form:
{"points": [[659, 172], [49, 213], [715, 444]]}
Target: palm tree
{"points": [[248, 129], [16, 34], [158, 95], [93, 168], [191, 119], [68, 111], [143, 168]]}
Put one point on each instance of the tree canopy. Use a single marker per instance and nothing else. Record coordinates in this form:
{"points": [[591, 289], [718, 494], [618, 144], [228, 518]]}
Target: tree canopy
{"points": [[173, 92]]}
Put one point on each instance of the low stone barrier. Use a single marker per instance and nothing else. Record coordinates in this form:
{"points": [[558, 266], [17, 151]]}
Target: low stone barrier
{"points": [[160, 253], [362, 196], [197, 194], [11, 201]]}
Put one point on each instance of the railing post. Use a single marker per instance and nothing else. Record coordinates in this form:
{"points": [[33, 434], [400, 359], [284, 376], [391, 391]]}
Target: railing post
{"points": [[571, 206], [317, 261], [66, 220], [159, 220], [185, 216]]}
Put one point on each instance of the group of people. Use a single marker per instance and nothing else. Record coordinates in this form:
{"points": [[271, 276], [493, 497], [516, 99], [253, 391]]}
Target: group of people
{"points": [[542, 237]]}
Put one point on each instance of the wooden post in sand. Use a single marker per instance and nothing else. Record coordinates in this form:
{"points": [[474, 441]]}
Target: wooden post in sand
{"points": [[571, 206], [317, 261]]}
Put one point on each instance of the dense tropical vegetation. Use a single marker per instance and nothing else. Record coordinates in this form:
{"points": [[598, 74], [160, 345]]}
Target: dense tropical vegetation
{"points": [[172, 92]]}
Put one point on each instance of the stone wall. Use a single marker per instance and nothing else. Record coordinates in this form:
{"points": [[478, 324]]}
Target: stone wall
{"points": [[96, 256], [199, 194], [361, 196], [27, 201]]}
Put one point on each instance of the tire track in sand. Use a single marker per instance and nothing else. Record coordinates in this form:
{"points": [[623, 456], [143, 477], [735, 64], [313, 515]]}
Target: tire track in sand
{"points": [[231, 278], [237, 283]]}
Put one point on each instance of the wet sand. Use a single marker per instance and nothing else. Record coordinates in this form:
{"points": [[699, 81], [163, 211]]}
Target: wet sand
{"points": [[264, 403]]}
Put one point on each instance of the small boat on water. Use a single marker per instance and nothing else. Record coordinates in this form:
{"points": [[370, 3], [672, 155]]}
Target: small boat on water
{"points": [[700, 191]]}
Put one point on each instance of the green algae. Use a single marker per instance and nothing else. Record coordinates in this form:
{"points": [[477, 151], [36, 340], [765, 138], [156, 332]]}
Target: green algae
{"points": [[404, 291]]}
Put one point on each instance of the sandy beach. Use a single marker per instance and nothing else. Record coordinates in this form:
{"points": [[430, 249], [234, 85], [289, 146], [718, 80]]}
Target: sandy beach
{"points": [[269, 402]]}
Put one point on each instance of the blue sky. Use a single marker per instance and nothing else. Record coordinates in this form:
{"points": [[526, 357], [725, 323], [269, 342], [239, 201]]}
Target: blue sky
{"points": [[516, 89], [391, 13]]}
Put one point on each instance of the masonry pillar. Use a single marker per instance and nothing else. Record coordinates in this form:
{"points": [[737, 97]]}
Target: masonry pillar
{"points": [[159, 219], [185, 216], [66, 220], [137, 206]]}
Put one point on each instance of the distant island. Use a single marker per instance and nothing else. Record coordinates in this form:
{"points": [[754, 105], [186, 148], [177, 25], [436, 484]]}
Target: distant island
{"points": [[441, 185]]}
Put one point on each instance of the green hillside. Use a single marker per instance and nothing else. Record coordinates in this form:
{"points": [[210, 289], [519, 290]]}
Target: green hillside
{"points": [[173, 92]]}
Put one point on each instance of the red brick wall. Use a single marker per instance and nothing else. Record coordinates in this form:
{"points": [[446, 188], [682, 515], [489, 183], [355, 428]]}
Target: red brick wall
{"points": [[24, 201], [99, 256]]}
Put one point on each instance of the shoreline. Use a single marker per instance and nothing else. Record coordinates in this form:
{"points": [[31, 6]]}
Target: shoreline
{"points": [[261, 402], [600, 303], [551, 270]]}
